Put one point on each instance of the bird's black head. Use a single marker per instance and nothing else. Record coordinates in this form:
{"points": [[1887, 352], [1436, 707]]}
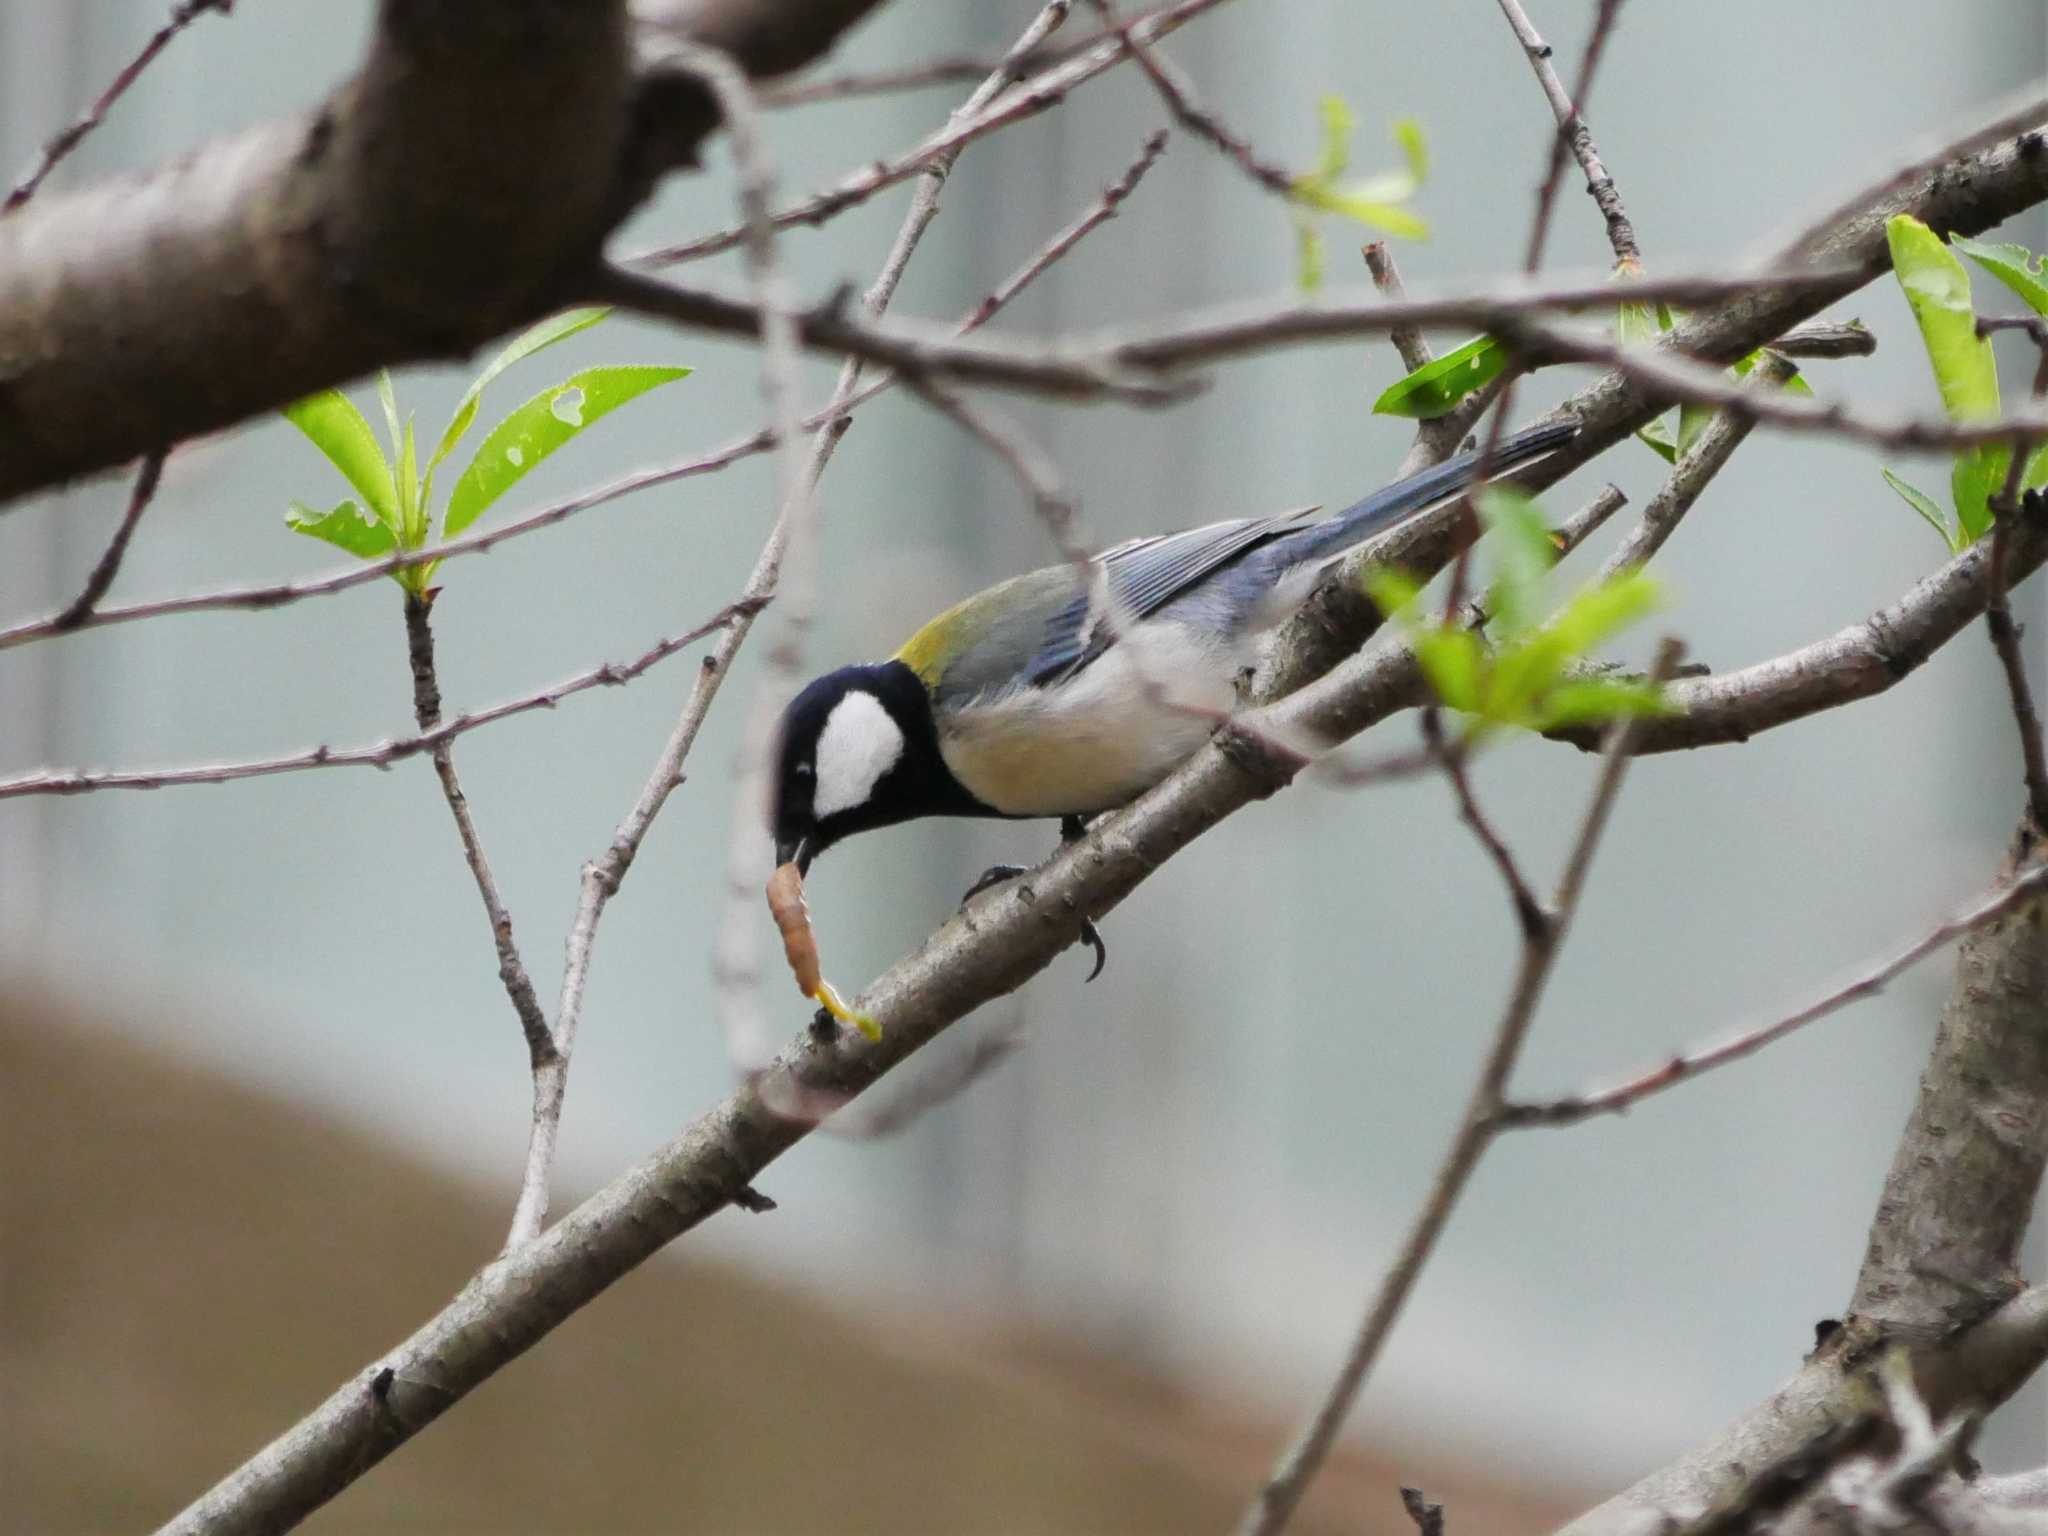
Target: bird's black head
{"points": [[858, 750]]}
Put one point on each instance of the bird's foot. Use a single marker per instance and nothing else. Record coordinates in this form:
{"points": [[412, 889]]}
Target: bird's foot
{"points": [[996, 874]]}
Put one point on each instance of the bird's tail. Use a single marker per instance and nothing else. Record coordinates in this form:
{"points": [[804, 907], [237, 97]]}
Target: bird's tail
{"points": [[1397, 503]]}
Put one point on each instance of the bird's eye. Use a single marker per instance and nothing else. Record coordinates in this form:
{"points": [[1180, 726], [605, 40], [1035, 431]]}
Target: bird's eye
{"points": [[804, 771]]}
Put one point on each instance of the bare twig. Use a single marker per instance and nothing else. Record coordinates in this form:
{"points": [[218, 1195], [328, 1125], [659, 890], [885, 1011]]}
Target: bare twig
{"points": [[1695, 1060], [1024, 99], [2024, 108], [2006, 507], [1702, 459], [1428, 1517], [109, 563], [381, 754], [735, 973], [1542, 937], [1436, 438], [1100, 212], [182, 16], [1573, 133], [426, 705], [779, 383], [1179, 97], [1529, 912]]}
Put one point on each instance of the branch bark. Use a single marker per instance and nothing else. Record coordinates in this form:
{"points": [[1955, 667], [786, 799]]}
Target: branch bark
{"points": [[147, 310]]}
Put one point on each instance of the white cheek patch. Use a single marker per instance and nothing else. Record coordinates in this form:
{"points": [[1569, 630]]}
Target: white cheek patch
{"points": [[859, 744]]}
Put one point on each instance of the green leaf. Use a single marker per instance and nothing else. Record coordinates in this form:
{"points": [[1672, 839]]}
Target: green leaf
{"points": [[1308, 248], [549, 331], [1452, 660], [2013, 265], [347, 527], [388, 398], [1938, 291], [1936, 515], [1338, 122], [1365, 203], [338, 430], [540, 426], [1392, 591], [1523, 553], [1598, 612], [1435, 388], [1414, 148], [412, 513], [1978, 475], [1377, 200], [1594, 700]]}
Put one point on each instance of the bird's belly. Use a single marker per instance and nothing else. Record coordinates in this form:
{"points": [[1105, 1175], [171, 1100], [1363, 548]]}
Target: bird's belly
{"points": [[1098, 741]]}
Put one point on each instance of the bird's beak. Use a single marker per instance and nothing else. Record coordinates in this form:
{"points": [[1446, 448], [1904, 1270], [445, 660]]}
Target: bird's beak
{"points": [[795, 850]]}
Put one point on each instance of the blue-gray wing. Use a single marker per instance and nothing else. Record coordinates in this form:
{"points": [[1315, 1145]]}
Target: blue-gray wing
{"points": [[1144, 576]]}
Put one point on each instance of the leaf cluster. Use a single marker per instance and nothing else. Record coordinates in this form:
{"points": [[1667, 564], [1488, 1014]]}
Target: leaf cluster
{"points": [[395, 511], [1533, 673]]}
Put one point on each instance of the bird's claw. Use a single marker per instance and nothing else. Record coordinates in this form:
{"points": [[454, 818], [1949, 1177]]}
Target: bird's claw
{"points": [[996, 874]]}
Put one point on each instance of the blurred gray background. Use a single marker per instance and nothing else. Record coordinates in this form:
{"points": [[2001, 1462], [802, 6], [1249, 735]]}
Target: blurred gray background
{"points": [[1200, 1162]]}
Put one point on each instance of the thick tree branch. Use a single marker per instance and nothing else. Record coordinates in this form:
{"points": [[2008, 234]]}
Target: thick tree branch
{"points": [[1938, 1277], [150, 309]]}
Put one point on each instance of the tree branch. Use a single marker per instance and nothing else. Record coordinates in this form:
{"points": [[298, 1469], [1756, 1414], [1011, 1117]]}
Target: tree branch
{"points": [[182, 16], [311, 250], [426, 703], [1543, 934], [108, 566]]}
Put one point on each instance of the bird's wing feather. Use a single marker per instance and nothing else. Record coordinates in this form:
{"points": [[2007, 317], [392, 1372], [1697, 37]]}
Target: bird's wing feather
{"points": [[1144, 576]]}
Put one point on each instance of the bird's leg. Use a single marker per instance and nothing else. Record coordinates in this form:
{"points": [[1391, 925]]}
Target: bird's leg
{"points": [[1072, 829]]}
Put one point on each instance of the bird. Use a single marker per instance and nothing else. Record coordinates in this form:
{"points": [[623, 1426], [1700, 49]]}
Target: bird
{"points": [[1036, 698]]}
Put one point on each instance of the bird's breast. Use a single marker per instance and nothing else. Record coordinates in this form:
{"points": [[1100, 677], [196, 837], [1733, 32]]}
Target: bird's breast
{"points": [[1099, 739]]}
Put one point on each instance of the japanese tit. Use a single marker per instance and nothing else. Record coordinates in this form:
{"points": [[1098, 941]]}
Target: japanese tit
{"points": [[1013, 704]]}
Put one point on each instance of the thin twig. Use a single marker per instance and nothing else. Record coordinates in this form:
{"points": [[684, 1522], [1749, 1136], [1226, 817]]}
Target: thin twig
{"points": [[426, 706], [109, 563], [1529, 913], [735, 973], [1100, 212], [1436, 437], [278, 595], [182, 16], [381, 754], [1691, 1062], [2007, 508], [1174, 89], [1024, 99], [603, 875], [1704, 457], [1573, 133], [1277, 1500]]}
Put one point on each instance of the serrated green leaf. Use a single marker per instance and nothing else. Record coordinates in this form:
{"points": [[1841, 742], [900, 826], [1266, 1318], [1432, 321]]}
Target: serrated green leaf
{"points": [[334, 425], [2013, 265], [1938, 291], [1936, 515], [412, 514], [529, 341], [1436, 388], [347, 527], [540, 426]]}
